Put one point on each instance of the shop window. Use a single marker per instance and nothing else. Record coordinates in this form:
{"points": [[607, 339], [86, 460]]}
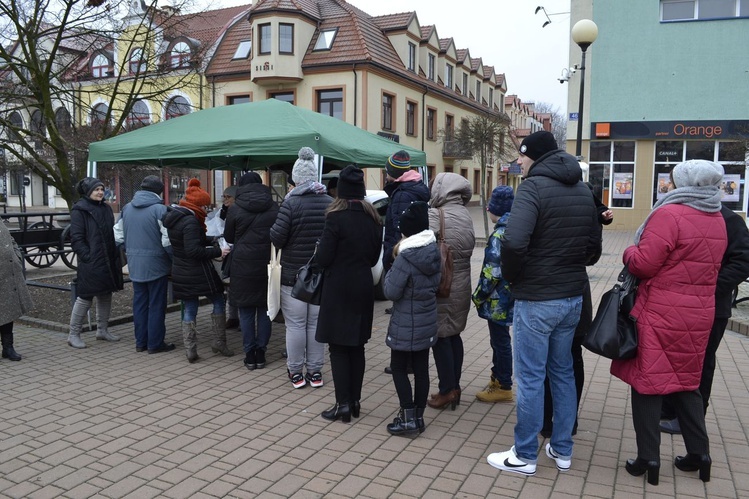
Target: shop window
{"points": [[612, 172], [701, 149]]}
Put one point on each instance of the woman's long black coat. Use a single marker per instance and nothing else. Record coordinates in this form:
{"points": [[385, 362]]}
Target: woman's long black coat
{"points": [[193, 273], [349, 247], [92, 240], [248, 224]]}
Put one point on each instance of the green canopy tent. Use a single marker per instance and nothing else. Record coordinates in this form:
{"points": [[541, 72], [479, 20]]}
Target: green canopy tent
{"points": [[245, 137]]}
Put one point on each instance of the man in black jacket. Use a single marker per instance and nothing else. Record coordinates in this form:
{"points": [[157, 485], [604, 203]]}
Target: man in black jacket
{"points": [[552, 235], [734, 270]]}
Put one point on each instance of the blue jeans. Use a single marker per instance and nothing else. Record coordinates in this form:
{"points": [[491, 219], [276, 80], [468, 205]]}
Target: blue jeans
{"points": [[499, 339], [190, 307], [149, 312], [543, 345], [253, 338]]}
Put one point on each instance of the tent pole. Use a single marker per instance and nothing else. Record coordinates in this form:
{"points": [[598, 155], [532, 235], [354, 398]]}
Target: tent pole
{"points": [[91, 168]]}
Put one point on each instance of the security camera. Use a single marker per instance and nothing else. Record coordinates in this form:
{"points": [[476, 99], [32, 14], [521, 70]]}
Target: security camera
{"points": [[562, 80]]}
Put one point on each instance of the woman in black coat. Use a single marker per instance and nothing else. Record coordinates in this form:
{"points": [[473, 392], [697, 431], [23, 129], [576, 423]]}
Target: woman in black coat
{"points": [[248, 224], [349, 247], [193, 273], [99, 268]]}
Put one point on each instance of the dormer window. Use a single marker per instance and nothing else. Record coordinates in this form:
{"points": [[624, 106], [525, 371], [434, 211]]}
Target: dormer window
{"points": [[180, 56], [285, 38], [411, 57], [430, 67], [137, 63], [101, 67], [478, 91], [448, 76], [325, 40], [265, 39], [243, 50]]}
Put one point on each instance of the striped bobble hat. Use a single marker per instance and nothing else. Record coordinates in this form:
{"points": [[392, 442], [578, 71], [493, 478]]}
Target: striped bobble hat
{"points": [[398, 164]]}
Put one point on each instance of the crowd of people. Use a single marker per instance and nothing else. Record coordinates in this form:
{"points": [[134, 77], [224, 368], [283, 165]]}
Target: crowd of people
{"points": [[533, 279]]}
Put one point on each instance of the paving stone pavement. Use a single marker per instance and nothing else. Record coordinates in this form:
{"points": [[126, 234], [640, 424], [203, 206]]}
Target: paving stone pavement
{"points": [[109, 422]]}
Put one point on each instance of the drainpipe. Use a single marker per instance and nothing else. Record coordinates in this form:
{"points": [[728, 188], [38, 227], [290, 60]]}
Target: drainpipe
{"points": [[213, 91], [356, 90], [423, 115]]}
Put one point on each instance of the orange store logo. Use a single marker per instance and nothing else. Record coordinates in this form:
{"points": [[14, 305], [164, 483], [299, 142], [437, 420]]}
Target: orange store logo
{"points": [[603, 129], [697, 131]]}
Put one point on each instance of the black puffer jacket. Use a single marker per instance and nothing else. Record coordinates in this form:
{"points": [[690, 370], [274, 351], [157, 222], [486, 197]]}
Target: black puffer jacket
{"points": [[401, 194], [248, 224], [193, 273], [553, 231], [412, 285], [299, 225], [92, 239]]}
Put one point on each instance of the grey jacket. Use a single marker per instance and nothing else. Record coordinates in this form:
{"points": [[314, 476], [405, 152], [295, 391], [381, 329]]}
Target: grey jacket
{"points": [[13, 293], [451, 192], [412, 285]]}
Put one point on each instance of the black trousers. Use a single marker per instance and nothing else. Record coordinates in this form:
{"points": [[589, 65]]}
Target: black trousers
{"points": [[708, 368], [646, 414], [419, 360], [347, 364], [578, 366], [448, 359]]}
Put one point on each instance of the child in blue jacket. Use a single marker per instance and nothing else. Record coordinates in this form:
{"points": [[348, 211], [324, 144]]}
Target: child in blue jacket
{"points": [[494, 302], [412, 285]]}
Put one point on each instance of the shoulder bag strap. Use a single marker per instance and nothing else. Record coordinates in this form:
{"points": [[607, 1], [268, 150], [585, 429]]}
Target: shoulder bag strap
{"points": [[442, 226]]}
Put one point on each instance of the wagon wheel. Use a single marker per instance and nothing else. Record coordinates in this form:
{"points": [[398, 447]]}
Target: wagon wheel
{"points": [[69, 257], [38, 256]]}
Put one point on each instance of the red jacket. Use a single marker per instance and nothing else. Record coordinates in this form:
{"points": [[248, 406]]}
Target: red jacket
{"points": [[677, 260]]}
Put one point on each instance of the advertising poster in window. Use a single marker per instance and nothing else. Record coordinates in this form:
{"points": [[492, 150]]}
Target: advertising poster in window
{"points": [[664, 183], [622, 185], [730, 188]]}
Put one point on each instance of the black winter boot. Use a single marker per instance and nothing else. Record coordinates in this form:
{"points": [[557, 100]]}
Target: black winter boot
{"points": [[405, 424], [420, 419], [8, 351]]}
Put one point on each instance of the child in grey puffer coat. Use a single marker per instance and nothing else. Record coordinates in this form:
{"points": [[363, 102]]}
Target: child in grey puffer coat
{"points": [[412, 285]]}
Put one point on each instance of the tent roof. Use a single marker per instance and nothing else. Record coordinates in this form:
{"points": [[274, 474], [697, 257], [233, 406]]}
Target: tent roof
{"points": [[249, 136]]}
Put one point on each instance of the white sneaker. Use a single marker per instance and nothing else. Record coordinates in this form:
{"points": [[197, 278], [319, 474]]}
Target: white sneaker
{"points": [[562, 464], [509, 461]]}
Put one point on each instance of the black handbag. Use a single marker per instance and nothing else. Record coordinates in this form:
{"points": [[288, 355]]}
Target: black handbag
{"points": [[613, 333], [308, 285]]}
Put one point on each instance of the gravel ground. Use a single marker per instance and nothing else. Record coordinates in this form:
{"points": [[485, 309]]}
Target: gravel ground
{"points": [[54, 305]]}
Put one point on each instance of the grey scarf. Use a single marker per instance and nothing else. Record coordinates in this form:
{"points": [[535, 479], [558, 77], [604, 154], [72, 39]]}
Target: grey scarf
{"points": [[703, 198]]}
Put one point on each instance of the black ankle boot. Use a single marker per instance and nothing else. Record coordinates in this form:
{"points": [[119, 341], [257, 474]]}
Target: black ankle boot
{"points": [[404, 424], [338, 411], [638, 467], [8, 350], [695, 462], [355, 408]]}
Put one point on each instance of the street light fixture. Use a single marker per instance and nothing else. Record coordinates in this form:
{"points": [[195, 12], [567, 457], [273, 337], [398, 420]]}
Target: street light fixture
{"points": [[584, 33]]}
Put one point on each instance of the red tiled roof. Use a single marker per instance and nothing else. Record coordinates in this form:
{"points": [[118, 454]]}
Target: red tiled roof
{"points": [[307, 7], [426, 32], [461, 54], [393, 22], [445, 43], [221, 61]]}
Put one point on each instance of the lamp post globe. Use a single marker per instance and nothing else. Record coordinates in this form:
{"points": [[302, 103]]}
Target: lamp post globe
{"points": [[584, 33]]}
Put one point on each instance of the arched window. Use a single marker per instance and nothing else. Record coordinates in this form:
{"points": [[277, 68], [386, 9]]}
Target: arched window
{"points": [[62, 119], [177, 106], [180, 56], [101, 67], [16, 122], [98, 114], [37, 129], [139, 115], [137, 62]]}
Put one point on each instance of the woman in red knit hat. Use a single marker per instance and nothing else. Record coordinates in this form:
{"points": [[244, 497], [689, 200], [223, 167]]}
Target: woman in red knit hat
{"points": [[193, 273]]}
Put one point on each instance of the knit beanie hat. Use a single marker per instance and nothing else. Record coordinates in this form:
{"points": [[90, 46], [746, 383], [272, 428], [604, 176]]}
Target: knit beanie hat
{"points": [[351, 183], [398, 164], [250, 178], [304, 169], [537, 144], [195, 197], [152, 183], [697, 173], [501, 200], [414, 219], [231, 191], [86, 186]]}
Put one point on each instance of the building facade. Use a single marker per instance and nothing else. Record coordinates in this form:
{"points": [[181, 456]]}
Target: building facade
{"points": [[666, 81]]}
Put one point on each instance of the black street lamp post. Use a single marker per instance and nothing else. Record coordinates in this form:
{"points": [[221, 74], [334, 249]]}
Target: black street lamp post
{"points": [[584, 33]]}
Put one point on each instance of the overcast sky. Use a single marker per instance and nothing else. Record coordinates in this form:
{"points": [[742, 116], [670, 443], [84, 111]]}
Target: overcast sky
{"points": [[506, 34]]}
